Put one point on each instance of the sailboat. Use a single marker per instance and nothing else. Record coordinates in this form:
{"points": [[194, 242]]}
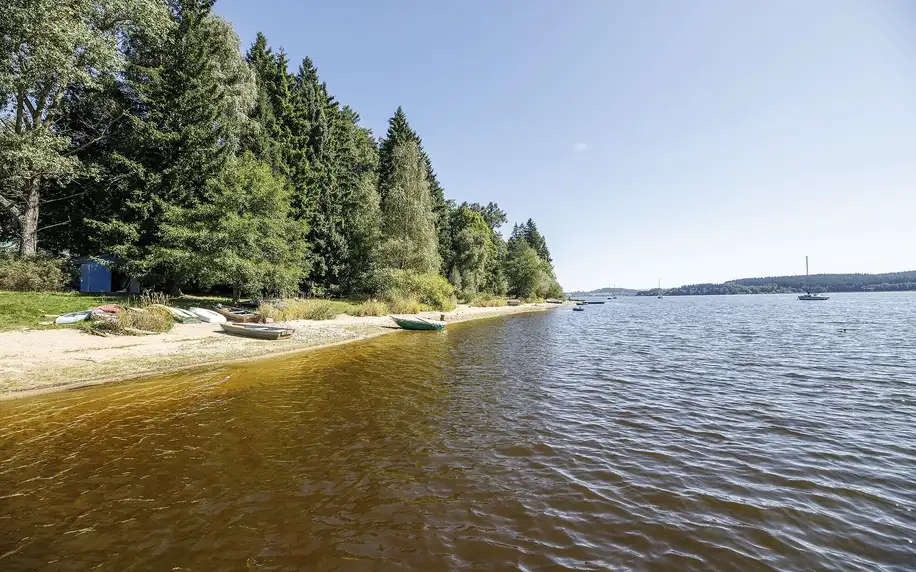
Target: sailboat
{"points": [[809, 297], [660, 289]]}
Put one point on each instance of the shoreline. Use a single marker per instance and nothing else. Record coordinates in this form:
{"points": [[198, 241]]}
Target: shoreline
{"points": [[36, 362]]}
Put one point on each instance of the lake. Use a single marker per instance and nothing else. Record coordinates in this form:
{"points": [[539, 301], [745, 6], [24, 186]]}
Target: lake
{"points": [[690, 433]]}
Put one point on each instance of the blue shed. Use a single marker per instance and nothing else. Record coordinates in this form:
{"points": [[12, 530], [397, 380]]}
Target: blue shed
{"points": [[95, 276]]}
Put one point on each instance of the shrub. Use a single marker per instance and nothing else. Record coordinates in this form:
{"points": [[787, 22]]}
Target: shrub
{"points": [[428, 289], [156, 319], [286, 310], [486, 301], [35, 274], [405, 306], [370, 308]]}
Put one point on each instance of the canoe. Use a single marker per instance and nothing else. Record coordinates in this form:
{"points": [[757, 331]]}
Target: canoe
{"points": [[257, 331], [180, 316], [417, 323], [208, 316], [73, 317], [238, 314]]}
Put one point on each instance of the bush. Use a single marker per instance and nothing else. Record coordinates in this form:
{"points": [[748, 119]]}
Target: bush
{"points": [[428, 289], [486, 301], [370, 308], [286, 310], [156, 319], [35, 274], [405, 306]]}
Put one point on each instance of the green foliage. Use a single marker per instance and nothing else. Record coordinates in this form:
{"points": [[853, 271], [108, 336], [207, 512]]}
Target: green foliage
{"points": [[408, 223], [142, 132], [151, 319], [429, 289], [32, 274], [29, 309], [406, 305], [487, 301], [311, 309], [473, 249], [529, 275], [47, 48], [370, 308], [243, 235]]}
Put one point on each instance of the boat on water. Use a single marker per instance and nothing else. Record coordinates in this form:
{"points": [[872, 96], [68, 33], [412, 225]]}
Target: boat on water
{"points": [[208, 316], [257, 331], [237, 314], [809, 296], [578, 309], [660, 289], [417, 323]]}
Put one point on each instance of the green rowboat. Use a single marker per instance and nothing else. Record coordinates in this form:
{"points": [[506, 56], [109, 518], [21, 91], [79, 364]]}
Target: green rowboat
{"points": [[417, 323]]}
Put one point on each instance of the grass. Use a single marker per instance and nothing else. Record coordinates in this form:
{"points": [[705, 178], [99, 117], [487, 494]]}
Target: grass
{"points": [[370, 308], [486, 301], [20, 310], [314, 309]]}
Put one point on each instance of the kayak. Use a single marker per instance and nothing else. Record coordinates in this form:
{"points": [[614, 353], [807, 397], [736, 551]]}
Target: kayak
{"points": [[74, 317], [208, 316]]}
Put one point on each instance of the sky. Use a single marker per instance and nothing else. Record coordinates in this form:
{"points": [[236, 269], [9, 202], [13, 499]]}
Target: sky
{"points": [[678, 141]]}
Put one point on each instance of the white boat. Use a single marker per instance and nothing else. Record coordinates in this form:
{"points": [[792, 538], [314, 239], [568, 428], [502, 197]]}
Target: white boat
{"points": [[660, 289], [208, 316], [809, 297], [74, 317]]}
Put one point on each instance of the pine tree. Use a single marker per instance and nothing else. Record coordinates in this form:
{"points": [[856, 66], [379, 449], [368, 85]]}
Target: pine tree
{"points": [[187, 102]]}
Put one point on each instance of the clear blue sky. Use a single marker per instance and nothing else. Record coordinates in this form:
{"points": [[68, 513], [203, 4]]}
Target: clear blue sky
{"points": [[687, 141]]}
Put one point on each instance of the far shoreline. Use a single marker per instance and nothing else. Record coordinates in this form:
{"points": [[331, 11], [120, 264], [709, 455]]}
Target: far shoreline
{"points": [[38, 362]]}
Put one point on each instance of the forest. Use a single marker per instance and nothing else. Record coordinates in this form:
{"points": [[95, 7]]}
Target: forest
{"points": [[143, 131], [895, 281]]}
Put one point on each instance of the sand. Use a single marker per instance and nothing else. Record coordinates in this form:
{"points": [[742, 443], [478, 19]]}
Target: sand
{"points": [[39, 361]]}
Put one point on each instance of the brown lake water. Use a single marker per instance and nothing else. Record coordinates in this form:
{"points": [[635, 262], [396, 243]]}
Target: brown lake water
{"points": [[708, 433]]}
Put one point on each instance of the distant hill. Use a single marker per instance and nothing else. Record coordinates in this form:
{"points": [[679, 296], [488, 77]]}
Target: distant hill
{"points": [[894, 281], [605, 292]]}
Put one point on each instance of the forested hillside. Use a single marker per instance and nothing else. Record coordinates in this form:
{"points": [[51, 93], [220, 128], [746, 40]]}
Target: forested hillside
{"points": [[143, 130], [787, 284]]}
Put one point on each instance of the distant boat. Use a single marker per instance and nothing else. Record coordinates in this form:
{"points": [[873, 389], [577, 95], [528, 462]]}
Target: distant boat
{"points": [[660, 289], [417, 323], [578, 309], [809, 297], [257, 331]]}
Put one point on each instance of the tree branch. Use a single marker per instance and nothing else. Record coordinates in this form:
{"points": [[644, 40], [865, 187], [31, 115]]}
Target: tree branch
{"points": [[97, 139], [10, 206], [53, 225]]}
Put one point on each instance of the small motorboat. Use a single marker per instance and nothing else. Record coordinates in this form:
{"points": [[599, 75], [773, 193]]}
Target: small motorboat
{"points": [[238, 314], [74, 317], [258, 331], [578, 309], [809, 297], [208, 316], [417, 323]]}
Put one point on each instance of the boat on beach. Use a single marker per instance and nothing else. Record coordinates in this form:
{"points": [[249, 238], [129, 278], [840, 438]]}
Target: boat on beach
{"points": [[181, 316], [257, 331], [417, 323], [208, 316], [238, 314], [73, 317]]}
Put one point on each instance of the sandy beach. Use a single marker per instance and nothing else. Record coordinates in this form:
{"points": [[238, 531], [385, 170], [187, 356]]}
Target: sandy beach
{"points": [[39, 361]]}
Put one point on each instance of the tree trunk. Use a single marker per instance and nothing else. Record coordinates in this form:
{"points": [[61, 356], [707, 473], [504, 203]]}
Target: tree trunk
{"points": [[28, 223]]}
